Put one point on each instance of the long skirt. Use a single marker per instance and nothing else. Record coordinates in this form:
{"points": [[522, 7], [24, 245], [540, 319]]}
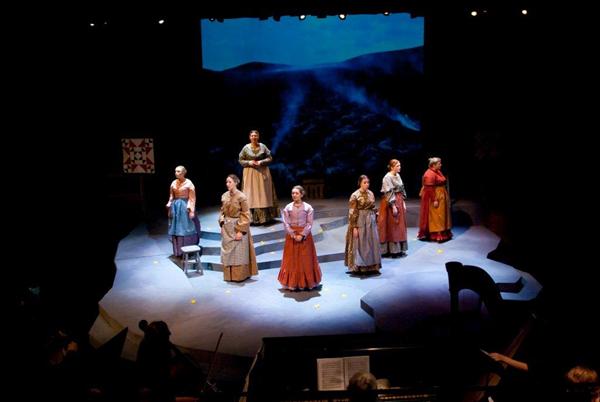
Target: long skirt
{"points": [[362, 253], [258, 186], [183, 230], [435, 223], [392, 229], [300, 265], [237, 256]]}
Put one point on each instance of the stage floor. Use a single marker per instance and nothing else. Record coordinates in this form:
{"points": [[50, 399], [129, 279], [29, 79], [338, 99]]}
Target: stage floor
{"points": [[150, 285]]}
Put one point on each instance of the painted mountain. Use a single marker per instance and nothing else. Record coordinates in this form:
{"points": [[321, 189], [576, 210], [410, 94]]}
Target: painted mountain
{"points": [[333, 121]]}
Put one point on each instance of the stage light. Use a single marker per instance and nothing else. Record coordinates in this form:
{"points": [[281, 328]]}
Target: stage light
{"points": [[92, 24], [473, 13], [160, 22], [302, 17], [342, 16], [211, 19], [524, 12], [386, 13]]}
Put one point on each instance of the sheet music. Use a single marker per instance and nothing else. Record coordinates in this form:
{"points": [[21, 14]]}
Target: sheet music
{"points": [[330, 373], [353, 365]]}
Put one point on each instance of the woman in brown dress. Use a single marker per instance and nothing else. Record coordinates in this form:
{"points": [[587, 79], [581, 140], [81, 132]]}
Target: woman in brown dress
{"points": [[237, 251]]}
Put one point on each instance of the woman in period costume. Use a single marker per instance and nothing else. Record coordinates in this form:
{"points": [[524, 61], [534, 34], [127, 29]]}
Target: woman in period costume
{"points": [[391, 222], [434, 218], [300, 266], [237, 251], [362, 240], [257, 182], [184, 226]]}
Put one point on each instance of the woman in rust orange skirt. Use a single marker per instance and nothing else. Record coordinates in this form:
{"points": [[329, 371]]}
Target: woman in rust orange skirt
{"points": [[391, 222], [300, 266]]}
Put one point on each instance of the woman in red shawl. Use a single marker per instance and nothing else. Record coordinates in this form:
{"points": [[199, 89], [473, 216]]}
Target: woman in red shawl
{"points": [[434, 219]]}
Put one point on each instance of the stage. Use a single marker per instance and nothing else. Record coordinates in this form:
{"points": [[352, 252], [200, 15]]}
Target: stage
{"points": [[150, 285]]}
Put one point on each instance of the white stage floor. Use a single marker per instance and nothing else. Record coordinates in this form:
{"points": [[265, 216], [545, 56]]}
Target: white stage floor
{"points": [[149, 285]]}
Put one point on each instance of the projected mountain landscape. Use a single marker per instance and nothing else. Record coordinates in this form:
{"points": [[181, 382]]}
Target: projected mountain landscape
{"points": [[335, 119]]}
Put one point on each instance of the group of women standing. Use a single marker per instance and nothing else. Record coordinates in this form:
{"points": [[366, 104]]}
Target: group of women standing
{"points": [[371, 234]]}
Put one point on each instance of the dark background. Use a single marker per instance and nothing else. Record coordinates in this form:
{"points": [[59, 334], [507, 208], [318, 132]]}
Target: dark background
{"points": [[504, 106]]}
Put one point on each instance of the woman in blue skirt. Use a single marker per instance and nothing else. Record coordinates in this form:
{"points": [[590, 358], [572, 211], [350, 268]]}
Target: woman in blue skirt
{"points": [[184, 226]]}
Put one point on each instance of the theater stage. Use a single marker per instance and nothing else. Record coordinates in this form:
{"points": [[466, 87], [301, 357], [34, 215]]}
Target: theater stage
{"points": [[198, 307]]}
